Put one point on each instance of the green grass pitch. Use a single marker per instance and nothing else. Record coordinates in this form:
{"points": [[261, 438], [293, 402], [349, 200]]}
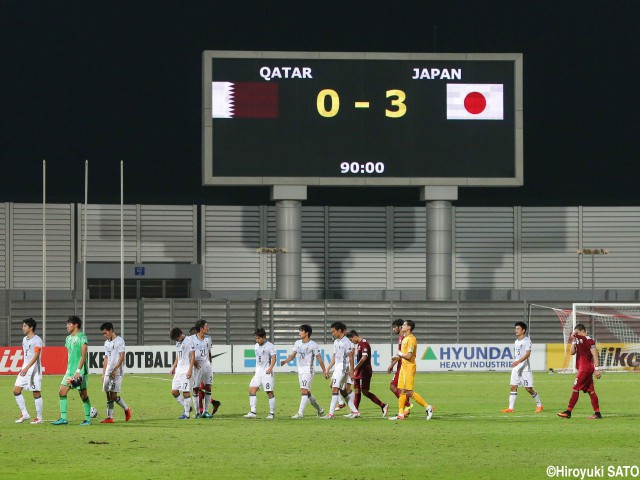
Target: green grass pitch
{"points": [[468, 437]]}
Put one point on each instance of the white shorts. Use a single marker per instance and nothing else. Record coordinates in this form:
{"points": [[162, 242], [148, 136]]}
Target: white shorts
{"points": [[202, 374], [112, 384], [263, 381], [339, 379], [31, 381], [305, 380], [521, 379], [181, 383]]}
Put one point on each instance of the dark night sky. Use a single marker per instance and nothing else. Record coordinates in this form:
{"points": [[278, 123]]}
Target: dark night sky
{"points": [[115, 80]]}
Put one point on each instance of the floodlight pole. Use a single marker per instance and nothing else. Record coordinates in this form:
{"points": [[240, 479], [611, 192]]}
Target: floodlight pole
{"points": [[122, 248], [271, 252], [593, 252], [44, 252], [84, 241]]}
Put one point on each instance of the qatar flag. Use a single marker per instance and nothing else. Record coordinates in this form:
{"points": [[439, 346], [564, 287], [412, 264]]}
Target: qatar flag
{"points": [[475, 101], [244, 100]]}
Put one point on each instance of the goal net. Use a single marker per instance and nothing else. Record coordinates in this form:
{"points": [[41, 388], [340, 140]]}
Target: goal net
{"points": [[614, 326]]}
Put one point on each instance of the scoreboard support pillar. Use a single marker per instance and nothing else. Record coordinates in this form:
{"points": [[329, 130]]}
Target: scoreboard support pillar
{"points": [[289, 236], [439, 240]]}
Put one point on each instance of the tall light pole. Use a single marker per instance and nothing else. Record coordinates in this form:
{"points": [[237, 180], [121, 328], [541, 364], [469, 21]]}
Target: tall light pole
{"points": [[271, 252], [593, 252]]}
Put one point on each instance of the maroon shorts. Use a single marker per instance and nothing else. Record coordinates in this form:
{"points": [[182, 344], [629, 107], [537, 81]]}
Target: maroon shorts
{"points": [[584, 381], [394, 382], [363, 383]]}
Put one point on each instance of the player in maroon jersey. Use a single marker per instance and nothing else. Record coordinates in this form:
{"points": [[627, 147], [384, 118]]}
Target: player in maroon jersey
{"points": [[393, 386], [362, 372], [584, 348]]}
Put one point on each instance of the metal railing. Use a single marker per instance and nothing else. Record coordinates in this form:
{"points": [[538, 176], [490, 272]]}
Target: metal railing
{"points": [[147, 321]]}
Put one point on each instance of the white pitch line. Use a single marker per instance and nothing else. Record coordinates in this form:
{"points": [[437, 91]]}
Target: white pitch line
{"points": [[170, 379], [152, 378]]}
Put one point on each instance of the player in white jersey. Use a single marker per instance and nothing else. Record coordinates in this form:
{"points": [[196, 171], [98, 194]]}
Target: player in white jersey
{"points": [[182, 370], [265, 361], [342, 361], [30, 377], [192, 336], [203, 373], [307, 352], [521, 375], [113, 371]]}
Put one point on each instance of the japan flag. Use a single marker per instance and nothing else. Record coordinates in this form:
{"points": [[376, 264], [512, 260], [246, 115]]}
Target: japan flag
{"points": [[244, 100], [469, 101]]}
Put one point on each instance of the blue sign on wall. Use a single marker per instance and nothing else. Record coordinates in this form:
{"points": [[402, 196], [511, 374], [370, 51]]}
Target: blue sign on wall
{"points": [[139, 271]]}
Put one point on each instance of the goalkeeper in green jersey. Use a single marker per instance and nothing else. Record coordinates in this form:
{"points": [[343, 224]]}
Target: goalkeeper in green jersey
{"points": [[77, 371]]}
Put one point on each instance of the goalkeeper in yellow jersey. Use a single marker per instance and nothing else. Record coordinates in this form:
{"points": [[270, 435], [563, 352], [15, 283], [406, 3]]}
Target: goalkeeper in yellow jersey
{"points": [[407, 353]]}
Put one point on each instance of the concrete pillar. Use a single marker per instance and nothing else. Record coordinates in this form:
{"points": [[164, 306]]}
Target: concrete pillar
{"points": [[289, 236], [439, 241]]}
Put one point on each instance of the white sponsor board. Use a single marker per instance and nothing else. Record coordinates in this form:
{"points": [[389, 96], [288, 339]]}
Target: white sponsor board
{"points": [[156, 358], [474, 357], [244, 357], [241, 358]]}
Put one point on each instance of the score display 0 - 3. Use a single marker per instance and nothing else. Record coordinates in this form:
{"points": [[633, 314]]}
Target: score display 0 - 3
{"points": [[322, 118]]}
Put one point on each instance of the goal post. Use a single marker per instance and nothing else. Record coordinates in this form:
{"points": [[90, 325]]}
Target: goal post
{"points": [[614, 326], [616, 330], [559, 358]]}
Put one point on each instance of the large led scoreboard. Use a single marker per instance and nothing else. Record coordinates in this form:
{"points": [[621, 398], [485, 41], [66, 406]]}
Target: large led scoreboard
{"points": [[379, 119]]}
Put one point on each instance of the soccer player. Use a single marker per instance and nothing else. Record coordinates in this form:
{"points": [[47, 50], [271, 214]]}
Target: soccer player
{"points": [[195, 398], [521, 375], [77, 371], [30, 377], [113, 371], [203, 374], [407, 353], [584, 348], [396, 326], [265, 361], [363, 372], [307, 351], [182, 370], [342, 359], [204, 391]]}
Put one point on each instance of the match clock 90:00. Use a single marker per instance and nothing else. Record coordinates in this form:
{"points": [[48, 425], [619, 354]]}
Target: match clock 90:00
{"points": [[355, 167]]}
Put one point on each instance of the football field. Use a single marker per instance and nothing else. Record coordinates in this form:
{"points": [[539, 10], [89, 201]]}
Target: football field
{"points": [[467, 437]]}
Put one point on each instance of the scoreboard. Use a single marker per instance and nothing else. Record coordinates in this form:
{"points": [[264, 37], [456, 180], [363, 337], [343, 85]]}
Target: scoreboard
{"points": [[378, 119]]}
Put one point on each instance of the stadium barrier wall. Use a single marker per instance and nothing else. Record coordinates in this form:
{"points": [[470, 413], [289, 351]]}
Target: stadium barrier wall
{"points": [[232, 322], [430, 358], [434, 357], [241, 358], [611, 355], [54, 360]]}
